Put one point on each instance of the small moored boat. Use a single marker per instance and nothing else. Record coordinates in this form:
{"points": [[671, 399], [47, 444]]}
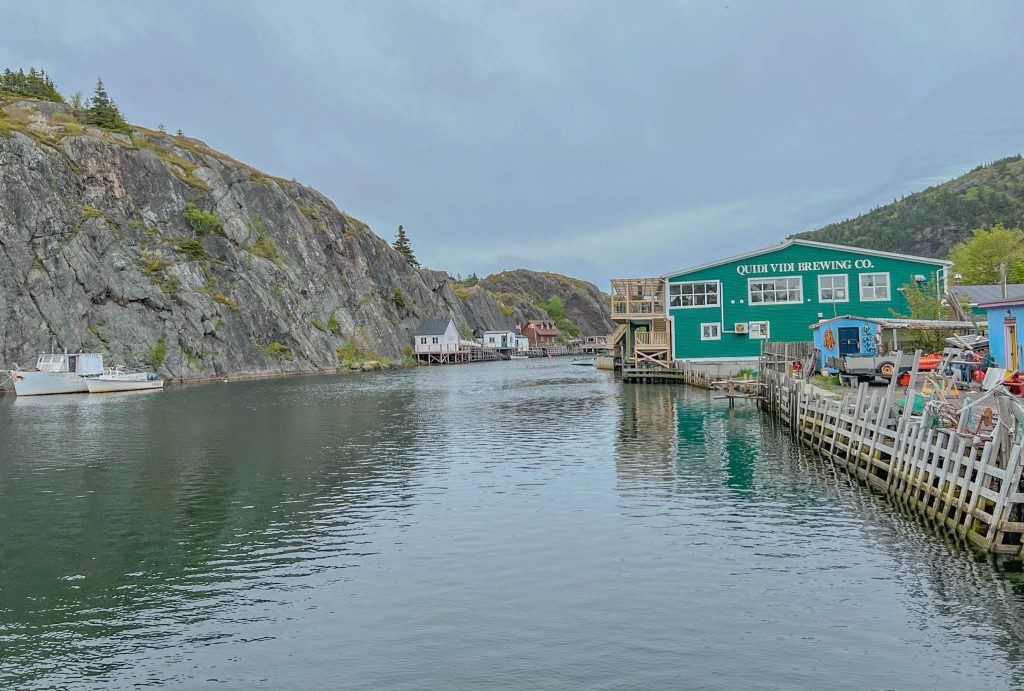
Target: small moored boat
{"points": [[586, 361], [117, 380], [58, 373]]}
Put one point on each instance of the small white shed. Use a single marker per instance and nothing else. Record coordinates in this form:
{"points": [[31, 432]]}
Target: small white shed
{"points": [[435, 336], [500, 340]]}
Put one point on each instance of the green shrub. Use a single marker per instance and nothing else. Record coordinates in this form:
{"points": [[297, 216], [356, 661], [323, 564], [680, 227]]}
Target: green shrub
{"points": [[398, 297], [152, 263], [225, 300], [201, 221], [275, 349], [158, 352], [351, 354], [331, 326], [193, 248], [556, 310], [280, 350], [90, 211], [264, 246]]}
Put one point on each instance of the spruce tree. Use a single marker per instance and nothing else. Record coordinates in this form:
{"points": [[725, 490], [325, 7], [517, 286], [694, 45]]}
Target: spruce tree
{"points": [[34, 84], [102, 111], [403, 245]]}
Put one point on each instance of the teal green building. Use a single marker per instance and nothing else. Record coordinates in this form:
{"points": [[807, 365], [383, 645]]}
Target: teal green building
{"points": [[723, 310]]}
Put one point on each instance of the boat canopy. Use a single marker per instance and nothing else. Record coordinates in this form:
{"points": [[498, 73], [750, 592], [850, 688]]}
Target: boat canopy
{"points": [[83, 364]]}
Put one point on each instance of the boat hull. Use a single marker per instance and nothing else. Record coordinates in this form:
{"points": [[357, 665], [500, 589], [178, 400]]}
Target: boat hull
{"points": [[48, 383], [102, 385]]}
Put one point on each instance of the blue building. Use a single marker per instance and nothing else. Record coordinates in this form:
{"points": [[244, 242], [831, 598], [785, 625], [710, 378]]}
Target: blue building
{"points": [[846, 335], [1003, 332]]}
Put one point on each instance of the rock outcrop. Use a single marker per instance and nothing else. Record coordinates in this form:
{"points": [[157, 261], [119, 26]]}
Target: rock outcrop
{"points": [[156, 249], [585, 305]]}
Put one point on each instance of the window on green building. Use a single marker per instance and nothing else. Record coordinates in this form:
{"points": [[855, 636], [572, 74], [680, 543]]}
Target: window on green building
{"points": [[833, 288], [758, 330], [711, 331], [771, 291], [693, 294], [874, 286]]}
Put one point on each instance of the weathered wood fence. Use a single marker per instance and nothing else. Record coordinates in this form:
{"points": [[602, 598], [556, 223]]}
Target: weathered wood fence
{"points": [[962, 471]]}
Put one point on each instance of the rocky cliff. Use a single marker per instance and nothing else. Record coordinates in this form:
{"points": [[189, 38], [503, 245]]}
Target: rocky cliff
{"points": [[585, 306], [156, 249]]}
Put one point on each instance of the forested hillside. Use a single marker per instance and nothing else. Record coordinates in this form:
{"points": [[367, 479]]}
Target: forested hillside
{"points": [[930, 222]]}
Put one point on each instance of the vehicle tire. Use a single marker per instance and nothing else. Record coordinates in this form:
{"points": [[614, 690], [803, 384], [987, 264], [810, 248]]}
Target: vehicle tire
{"points": [[886, 369]]}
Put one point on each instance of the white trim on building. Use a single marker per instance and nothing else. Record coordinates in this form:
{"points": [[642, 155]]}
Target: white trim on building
{"points": [[807, 243]]}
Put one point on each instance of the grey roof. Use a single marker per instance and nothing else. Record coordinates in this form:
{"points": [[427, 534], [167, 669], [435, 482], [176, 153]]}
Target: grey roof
{"points": [[432, 327], [896, 323], [979, 294]]}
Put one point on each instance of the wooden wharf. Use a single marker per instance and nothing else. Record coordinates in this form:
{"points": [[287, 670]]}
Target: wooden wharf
{"points": [[964, 477], [461, 356], [680, 373]]}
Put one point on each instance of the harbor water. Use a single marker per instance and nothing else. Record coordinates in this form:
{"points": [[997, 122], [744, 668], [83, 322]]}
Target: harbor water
{"points": [[513, 525]]}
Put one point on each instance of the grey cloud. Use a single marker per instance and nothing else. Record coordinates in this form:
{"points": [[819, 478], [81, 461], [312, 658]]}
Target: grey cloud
{"points": [[549, 135]]}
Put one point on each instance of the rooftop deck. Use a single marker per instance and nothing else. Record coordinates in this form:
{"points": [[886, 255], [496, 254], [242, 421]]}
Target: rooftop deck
{"points": [[637, 298]]}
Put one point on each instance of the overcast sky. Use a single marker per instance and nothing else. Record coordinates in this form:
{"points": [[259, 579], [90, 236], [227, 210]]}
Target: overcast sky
{"points": [[596, 139]]}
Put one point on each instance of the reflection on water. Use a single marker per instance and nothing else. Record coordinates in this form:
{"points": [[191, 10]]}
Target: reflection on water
{"points": [[511, 525]]}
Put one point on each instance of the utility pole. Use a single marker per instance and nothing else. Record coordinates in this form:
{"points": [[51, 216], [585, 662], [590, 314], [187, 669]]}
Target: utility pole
{"points": [[1002, 279]]}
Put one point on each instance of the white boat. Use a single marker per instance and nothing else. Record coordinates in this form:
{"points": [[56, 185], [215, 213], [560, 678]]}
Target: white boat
{"points": [[117, 380], [585, 361], [518, 357], [57, 373]]}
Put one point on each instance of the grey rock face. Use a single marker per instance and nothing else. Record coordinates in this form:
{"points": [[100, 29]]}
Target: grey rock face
{"points": [[585, 305], [96, 254]]}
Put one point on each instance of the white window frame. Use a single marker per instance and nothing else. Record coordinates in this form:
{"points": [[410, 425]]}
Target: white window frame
{"points": [[888, 286], [750, 291], [718, 331], [423, 340], [434, 339], [846, 288], [678, 285], [752, 329]]}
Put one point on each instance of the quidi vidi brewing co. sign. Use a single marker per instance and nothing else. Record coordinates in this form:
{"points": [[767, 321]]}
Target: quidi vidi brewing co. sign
{"points": [[790, 267]]}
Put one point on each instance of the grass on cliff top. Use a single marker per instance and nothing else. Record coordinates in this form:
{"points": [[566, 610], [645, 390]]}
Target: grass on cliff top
{"points": [[62, 125]]}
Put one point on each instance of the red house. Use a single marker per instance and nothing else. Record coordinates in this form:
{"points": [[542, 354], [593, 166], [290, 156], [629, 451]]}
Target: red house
{"points": [[542, 333]]}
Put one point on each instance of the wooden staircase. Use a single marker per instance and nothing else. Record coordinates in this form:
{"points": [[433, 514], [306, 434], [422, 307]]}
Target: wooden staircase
{"points": [[616, 338], [652, 346]]}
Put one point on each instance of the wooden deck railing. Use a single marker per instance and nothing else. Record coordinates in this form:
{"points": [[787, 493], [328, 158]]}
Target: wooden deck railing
{"points": [[649, 339]]}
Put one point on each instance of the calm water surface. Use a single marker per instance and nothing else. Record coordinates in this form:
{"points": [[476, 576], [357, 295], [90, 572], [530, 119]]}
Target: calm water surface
{"points": [[503, 525]]}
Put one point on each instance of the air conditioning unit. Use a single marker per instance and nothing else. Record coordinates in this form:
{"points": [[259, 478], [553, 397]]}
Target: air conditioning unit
{"points": [[739, 327]]}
